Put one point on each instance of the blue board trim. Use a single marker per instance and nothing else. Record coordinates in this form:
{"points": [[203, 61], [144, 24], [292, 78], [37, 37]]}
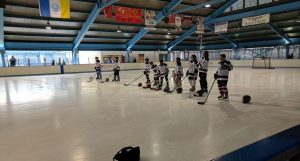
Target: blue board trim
{"points": [[45, 8], [266, 149]]}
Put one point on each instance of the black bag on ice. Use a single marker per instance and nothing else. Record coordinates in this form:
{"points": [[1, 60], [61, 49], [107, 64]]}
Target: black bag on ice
{"points": [[128, 154]]}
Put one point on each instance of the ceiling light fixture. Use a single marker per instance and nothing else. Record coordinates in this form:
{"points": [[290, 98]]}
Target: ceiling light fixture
{"points": [[48, 26], [119, 30], [207, 6], [169, 32]]}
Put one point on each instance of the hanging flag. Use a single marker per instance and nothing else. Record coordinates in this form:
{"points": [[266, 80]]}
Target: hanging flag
{"points": [[221, 27], [187, 19], [55, 8], [108, 12], [200, 25], [171, 19], [129, 15], [178, 23], [150, 19]]}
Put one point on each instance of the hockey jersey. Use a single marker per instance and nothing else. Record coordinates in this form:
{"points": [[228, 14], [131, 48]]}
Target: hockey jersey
{"points": [[147, 67], [192, 70], [98, 66], [203, 65], [156, 71], [223, 70], [178, 71], [163, 69], [117, 65]]}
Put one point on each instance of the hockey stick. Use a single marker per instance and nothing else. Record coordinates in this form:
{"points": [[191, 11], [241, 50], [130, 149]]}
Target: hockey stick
{"points": [[193, 92], [91, 77], [107, 79], [176, 86], [202, 103], [133, 80]]}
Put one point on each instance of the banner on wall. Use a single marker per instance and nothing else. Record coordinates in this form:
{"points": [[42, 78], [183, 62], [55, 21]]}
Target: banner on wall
{"points": [[178, 23], [200, 25], [108, 12], [55, 8], [221, 27], [128, 15], [256, 20], [150, 19]]}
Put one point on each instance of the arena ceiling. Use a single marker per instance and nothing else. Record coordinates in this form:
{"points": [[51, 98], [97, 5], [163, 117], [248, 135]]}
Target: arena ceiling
{"points": [[25, 29]]}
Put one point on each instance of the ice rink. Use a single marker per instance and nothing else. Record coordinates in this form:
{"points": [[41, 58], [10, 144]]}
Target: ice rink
{"points": [[66, 118]]}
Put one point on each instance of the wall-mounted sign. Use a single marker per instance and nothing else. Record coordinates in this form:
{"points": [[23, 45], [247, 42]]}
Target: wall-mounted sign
{"points": [[256, 20], [221, 27]]}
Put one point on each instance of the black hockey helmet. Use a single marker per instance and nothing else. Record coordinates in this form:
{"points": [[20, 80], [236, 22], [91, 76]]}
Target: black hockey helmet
{"points": [[246, 99], [147, 59], [178, 58]]}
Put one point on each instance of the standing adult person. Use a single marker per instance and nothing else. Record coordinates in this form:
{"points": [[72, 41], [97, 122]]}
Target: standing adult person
{"points": [[12, 61], [203, 68]]}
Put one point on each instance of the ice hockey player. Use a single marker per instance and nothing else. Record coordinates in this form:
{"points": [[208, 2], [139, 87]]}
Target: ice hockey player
{"points": [[177, 75], [203, 67], [221, 75], [116, 70], [147, 72], [164, 73], [98, 68], [156, 72], [192, 72]]}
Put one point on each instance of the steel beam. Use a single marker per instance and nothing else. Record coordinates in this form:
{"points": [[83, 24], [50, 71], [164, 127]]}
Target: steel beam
{"points": [[185, 35], [287, 7], [160, 16], [101, 4], [192, 30], [279, 32], [228, 39], [221, 10], [201, 5]]}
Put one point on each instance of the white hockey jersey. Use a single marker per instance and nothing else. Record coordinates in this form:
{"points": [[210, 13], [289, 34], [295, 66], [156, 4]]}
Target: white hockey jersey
{"points": [[98, 66], [192, 70], [156, 71], [203, 65], [147, 68], [178, 71], [117, 65], [163, 69], [223, 70]]}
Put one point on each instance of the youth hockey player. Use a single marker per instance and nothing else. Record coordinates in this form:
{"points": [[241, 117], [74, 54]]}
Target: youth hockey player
{"points": [[116, 70], [221, 75], [203, 67], [177, 75], [98, 68], [147, 72], [192, 72], [164, 73], [156, 72]]}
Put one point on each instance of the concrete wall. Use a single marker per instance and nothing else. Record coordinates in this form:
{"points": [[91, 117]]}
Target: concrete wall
{"points": [[17, 71]]}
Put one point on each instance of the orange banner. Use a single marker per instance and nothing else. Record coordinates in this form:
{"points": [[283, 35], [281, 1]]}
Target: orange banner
{"points": [[129, 15]]}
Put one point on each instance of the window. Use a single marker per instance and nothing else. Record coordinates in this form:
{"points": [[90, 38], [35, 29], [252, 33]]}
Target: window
{"points": [[250, 3], [238, 5]]}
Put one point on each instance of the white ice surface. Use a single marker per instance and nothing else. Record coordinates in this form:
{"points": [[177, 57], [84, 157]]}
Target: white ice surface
{"points": [[65, 118]]}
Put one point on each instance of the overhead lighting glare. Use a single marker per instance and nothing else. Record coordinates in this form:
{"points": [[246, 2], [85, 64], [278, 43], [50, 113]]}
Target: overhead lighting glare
{"points": [[169, 32], [207, 6], [48, 26], [119, 30]]}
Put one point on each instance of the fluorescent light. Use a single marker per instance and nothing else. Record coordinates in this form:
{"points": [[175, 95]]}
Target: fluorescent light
{"points": [[119, 30], [48, 26], [298, 20], [169, 32], [207, 6]]}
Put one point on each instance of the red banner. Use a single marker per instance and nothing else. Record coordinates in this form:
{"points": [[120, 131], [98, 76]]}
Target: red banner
{"points": [[171, 19], [129, 15], [108, 12]]}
